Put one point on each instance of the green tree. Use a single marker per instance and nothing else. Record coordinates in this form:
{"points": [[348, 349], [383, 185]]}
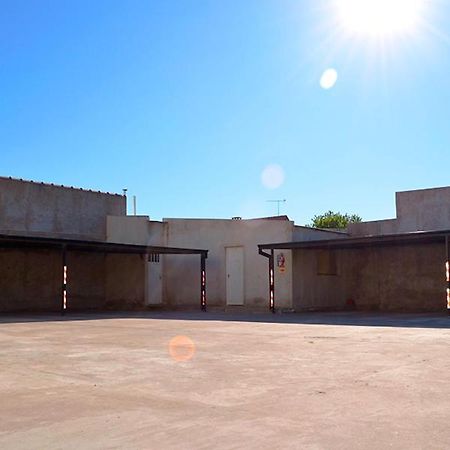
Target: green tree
{"points": [[334, 220]]}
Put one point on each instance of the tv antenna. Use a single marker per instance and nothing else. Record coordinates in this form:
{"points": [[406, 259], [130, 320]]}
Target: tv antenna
{"points": [[278, 204]]}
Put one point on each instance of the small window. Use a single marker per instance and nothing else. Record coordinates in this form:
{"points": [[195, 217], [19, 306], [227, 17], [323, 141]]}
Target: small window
{"points": [[153, 257], [326, 263]]}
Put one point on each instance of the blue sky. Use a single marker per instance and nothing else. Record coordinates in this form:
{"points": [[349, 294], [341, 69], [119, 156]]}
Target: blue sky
{"points": [[186, 102]]}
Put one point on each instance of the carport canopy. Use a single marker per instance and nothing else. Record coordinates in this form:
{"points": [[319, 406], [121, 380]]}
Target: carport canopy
{"points": [[65, 245], [416, 237]]}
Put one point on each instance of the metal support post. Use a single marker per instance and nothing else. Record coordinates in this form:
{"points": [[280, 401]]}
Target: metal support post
{"points": [[271, 258], [203, 257], [64, 283], [447, 270]]}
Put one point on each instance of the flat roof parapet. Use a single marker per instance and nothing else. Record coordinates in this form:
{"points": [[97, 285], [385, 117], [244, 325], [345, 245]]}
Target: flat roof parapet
{"points": [[60, 186]]}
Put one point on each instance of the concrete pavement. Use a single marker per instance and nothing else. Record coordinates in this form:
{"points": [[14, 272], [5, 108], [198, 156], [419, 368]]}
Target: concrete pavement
{"points": [[316, 381]]}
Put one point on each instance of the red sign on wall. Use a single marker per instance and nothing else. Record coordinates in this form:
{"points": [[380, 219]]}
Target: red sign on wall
{"points": [[281, 262]]}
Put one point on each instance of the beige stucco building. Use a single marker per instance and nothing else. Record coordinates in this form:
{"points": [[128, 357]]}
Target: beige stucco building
{"points": [[237, 275], [396, 264], [75, 247], [54, 253]]}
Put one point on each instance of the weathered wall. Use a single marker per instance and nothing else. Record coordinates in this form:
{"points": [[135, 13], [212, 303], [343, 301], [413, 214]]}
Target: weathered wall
{"points": [[105, 281], [376, 227], [125, 281], [420, 210], [182, 274], [314, 234], [86, 280], [137, 230], [425, 209], [396, 278], [32, 280], [127, 229], [157, 233], [55, 211]]}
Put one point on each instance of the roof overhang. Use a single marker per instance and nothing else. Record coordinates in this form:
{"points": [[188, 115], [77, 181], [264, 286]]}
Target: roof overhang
{"points": [[418, 237], [30, 242]]}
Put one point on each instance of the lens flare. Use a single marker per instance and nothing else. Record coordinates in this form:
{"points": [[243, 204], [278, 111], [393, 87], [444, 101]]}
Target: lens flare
{"points": [[272, 176], [181, 348], [328, 79]]}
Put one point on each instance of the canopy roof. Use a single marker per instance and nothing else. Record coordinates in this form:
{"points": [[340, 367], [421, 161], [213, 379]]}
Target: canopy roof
{"points": [[18, 241], [417, 237]]}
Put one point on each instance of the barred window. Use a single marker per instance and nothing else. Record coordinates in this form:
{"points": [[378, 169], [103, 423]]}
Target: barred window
{"points": [[153, 257]]}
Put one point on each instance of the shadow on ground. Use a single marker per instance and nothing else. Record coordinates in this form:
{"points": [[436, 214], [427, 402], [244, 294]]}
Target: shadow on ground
{"points": [[360, 319]]}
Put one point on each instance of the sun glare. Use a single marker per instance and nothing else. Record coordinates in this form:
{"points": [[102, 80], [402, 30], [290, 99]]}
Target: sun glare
{"points": [[379, 17]]}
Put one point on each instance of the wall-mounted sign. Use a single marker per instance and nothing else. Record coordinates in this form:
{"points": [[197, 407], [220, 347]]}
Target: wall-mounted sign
{"points": [[281, 262]]}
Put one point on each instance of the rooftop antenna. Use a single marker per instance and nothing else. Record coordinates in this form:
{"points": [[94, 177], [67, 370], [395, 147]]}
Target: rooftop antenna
{"points": [[278, 204], [134, 205]]}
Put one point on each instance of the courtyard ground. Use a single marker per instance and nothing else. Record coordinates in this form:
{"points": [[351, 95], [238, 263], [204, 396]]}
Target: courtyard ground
{"points": [[319, 381]]}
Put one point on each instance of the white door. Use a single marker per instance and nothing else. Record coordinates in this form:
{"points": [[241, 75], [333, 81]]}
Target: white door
{"points": [[235, 275], [154, 280]]}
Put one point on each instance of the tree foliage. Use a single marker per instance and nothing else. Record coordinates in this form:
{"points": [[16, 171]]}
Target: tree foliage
{"points": [[334, 220]]}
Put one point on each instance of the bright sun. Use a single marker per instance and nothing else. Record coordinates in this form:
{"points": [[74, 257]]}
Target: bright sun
{"points": [[379, 17]]}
